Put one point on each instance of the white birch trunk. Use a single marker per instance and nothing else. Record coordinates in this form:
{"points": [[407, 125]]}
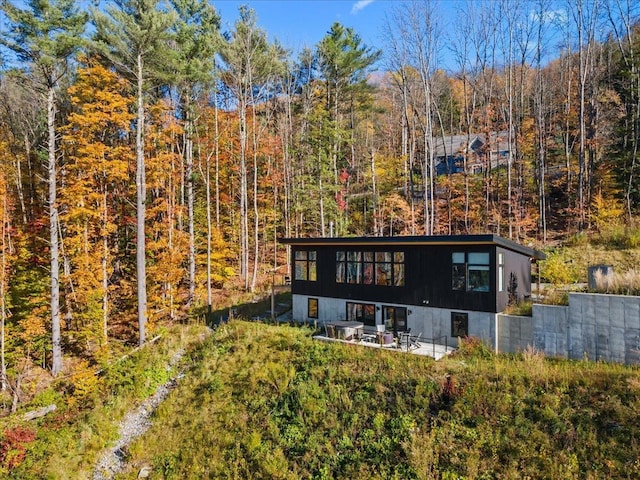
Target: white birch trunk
{"points": [[56, 365], [189, 127], [3, 281], [141, 194]]}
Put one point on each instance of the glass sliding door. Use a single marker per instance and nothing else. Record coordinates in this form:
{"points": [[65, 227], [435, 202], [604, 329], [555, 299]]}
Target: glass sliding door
{"points": [[395, 319], [361, 312]]}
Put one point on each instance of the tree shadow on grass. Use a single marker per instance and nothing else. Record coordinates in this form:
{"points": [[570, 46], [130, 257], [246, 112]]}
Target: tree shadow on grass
{"points": [[259, 310]]}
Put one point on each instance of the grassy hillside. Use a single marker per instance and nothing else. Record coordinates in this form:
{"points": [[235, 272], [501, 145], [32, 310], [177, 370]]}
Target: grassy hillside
{"points": [[65, 444], [260, 401], [268, 402]]}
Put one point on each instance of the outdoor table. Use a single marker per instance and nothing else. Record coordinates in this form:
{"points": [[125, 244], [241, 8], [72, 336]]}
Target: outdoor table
{"points": [[346, 329]]}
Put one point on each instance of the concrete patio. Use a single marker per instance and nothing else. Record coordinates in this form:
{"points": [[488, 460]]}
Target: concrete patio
{"points": [[423, 347]]}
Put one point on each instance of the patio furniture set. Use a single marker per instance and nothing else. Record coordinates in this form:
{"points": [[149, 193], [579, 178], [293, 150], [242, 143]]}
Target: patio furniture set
{"points": [[354, 331]]}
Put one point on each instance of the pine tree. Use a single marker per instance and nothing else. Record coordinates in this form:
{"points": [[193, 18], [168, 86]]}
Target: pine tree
{"points": [[344, 62], [45, 36]]}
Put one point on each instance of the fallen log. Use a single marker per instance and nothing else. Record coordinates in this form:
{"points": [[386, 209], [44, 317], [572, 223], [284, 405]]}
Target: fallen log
{"points": [[40, 412]]}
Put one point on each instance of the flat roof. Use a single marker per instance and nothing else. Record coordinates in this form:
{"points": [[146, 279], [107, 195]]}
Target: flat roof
{"points": [[411, 240]]}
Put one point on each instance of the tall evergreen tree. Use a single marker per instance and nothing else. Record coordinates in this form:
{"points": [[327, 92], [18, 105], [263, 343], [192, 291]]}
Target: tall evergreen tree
{"points": [[45, 35], [196, 39], [133, 35], [344, 61]]}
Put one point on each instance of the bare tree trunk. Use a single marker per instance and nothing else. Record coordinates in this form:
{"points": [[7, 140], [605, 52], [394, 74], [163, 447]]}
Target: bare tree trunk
{"points": [[189, 127], [141, 196], [207, 183], [256, 213], [56, 365], [3, 282], [217, 156], [105, 271], [171, 221], [374, 194], [581, 117], [244, 223], [623, 27], [510, 141], [539, 106], [584, 55], [321, 193], [19, 187]]}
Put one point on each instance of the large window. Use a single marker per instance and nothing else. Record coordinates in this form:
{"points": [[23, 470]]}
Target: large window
{"points": [[470, 271], [459, 271], [305, 265], [370, 268], [361, 312], [354, 267]]}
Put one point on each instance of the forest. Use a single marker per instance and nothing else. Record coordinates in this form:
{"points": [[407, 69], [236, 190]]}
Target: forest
{"points": [[150, 160]]}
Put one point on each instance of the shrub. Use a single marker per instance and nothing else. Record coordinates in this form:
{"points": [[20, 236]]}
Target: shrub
{"points": [[13, 446], [558, 269], [524, 308], [473, 347], [556, 297], [619, 236], [579, 239], [85, 384]]}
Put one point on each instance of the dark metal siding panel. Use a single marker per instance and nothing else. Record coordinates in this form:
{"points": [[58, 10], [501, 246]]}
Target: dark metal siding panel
{"points": [[437, 277], [427, 278], [502, 298], [418, 241]]}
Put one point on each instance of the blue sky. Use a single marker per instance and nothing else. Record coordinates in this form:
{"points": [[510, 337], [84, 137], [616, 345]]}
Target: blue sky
{"points": [[299, 23]]}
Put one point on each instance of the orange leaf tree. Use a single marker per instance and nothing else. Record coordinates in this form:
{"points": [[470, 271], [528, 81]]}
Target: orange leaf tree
{"points": [[98, 156]]}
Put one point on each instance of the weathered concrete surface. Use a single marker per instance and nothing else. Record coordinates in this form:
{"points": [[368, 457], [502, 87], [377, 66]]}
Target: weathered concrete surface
{"points": [[595, 326]]}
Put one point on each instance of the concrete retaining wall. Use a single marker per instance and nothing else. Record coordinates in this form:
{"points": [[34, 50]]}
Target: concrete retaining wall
{"points": [[515, 333], [595, 326]]}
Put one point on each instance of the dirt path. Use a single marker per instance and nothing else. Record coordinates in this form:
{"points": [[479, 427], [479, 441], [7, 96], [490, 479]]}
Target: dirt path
{"points": [[134, 424]]}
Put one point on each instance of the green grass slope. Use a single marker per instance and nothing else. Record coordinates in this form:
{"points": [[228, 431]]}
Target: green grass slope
{"points": [[66, 443], [268, 402]]}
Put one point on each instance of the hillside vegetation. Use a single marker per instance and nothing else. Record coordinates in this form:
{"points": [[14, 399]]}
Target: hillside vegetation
{"points": [[265, 401], [91, 402], [270, 402]]}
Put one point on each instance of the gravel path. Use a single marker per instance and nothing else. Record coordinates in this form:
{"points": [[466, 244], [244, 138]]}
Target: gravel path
{"points": [[134, 424]]}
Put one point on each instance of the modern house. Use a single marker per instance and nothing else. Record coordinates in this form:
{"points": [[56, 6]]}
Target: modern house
{"points": [[436, 286]]}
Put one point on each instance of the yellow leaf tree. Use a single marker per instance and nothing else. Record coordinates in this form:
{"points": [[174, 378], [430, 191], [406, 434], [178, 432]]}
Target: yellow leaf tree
{"points": [[98, 158]]}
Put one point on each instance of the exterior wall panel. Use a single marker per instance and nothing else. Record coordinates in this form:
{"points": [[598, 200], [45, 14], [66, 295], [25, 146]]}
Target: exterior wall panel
{"points": [[430, 323], [428, 280]]}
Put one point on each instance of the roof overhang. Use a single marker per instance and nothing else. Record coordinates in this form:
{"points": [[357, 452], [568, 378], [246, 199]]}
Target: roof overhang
{"points": [[450, 240]]}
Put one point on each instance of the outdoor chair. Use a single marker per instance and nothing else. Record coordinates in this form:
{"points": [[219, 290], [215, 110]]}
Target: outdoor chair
{"points": [[331, 331]]}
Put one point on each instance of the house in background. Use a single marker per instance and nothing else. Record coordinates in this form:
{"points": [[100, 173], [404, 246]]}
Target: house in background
{"points": [[482, 153], [437, 286]]}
